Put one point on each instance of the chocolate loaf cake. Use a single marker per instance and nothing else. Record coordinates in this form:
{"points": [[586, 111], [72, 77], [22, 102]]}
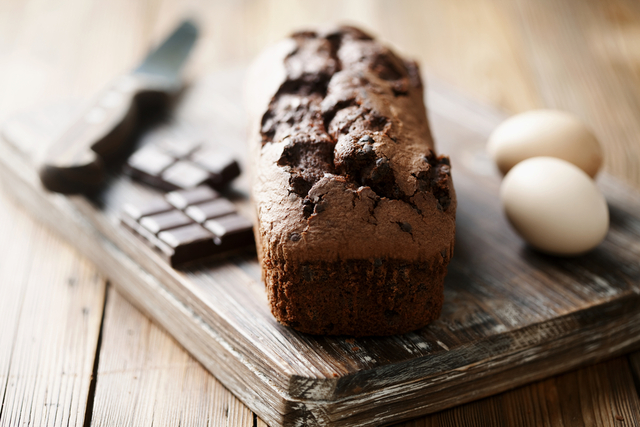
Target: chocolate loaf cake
{"points": [[355, 210]]}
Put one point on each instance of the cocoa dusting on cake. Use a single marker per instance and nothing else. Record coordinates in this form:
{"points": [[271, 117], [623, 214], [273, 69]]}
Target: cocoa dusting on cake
{"points": [[356, 211]]}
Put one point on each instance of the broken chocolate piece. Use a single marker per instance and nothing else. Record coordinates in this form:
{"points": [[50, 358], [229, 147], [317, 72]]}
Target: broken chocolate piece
{"points": [[182, 164], [188, 225]]}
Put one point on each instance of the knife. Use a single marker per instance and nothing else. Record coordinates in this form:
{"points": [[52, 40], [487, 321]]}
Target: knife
{"points": [[108, 126]]}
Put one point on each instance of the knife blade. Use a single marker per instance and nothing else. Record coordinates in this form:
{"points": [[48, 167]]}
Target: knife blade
{"points": [[108, 125]]}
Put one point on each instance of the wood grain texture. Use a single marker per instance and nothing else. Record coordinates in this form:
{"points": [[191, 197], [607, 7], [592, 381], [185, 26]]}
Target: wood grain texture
{"points": [[146, 379], [634, 361], [512, 315], [51, 304], [607, 96], [601, 395]]}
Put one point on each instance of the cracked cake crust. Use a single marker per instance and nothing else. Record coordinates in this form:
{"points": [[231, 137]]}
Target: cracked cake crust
{"points": [[355, 211]]}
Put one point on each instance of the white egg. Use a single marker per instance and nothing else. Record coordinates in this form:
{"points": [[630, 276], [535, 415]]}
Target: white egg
{"points": [[554, 206], [545, 133]]}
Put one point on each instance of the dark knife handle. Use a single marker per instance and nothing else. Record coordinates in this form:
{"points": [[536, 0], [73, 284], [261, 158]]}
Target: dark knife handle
{"points": [[75, 163]]}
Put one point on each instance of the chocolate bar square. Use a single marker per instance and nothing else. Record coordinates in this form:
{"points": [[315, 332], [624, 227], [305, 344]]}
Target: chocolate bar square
{"points": [[184, 174], [165, 221], [185, 198], [174, 162], [154, 206], [212, 209], [188, 225], [188, 242]]}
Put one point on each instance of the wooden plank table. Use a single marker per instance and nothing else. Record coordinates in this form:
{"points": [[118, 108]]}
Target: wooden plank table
{"points": [[61, 326]]}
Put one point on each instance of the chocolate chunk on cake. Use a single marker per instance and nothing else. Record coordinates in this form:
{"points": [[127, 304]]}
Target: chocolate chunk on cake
{"points": [[355, 210]]}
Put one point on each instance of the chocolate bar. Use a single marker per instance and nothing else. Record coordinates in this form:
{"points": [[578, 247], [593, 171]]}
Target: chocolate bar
{"points": [[187, 225], [182, 163]]}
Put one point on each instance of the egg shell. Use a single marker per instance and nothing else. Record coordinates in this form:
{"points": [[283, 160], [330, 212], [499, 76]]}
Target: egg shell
{"points": [[554, 206], [545, 133]]}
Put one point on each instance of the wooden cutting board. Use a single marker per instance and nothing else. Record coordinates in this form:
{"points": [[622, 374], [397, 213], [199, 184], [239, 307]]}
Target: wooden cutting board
{"points": [[511, 315]]}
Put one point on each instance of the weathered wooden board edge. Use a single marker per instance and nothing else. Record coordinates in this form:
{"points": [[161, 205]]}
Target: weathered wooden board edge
{"points": [[582, 347]]}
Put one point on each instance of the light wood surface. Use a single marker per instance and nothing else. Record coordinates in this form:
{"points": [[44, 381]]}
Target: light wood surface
{"points": [[583, 56], [146, 379], [50, 313]]}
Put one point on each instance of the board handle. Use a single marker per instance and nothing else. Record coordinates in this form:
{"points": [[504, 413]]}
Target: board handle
{"points": [[106, 128]]}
